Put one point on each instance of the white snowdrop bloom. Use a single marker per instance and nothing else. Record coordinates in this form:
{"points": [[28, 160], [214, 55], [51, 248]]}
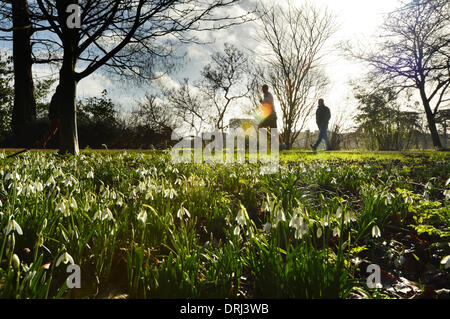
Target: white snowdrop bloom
{"points": [[142, 216], [237, 230], [446, 194], [446, 262], [279, 216], [267, 227], [349, 217], [339, 212], [90, 174], [63, 207], [30, 189], [336, 231], [73, 203], [182, 212], [104, 214], [171, 193], [241, 217], [296, 221], [65, 258], [50, 181], [376, 232], [409, 200], [326, 220], [15, 262], [149, 195], [13, 226], [13, 175], [266, 206], [19, 189], [67, 182], [2, 155], [39, 186], [119, 201], [304, 229], [319, 232]]}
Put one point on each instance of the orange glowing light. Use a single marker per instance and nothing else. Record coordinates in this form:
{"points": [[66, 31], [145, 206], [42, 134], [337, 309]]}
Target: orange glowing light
{"points": [[264, 111]]}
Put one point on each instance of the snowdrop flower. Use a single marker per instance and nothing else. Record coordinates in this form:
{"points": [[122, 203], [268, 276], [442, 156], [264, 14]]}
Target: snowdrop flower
{"points": [[296, 221], [90, 175], [339, 212], [349, 217], [39, 186], [301, 228], [13, 226], [336, 231], [63, 208], [19, 189], [447, 194], [267, 227], [446, 262], [73, 203], [326, 220], [319, 232], [104, 214], [182, 212], [50, 181], [376, 231], [142, 217], [280, 216], [171, 193], [237, 230], [242, 216], [15, 261], [64, 258], [149, 195], [29, 189], [13, 175]]}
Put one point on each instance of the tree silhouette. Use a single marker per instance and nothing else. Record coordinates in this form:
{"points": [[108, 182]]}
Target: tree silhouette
{"points": [[415, 53], [127, 36], [294, 38]]}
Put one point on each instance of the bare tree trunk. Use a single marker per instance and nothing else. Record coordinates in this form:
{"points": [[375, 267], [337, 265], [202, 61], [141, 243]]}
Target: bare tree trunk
{"points": [[68, 131], [68, 82], [24, 111], [430, 119]]}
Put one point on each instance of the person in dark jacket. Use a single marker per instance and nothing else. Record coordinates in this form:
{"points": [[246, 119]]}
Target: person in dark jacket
{"points": [[323, 116], [54, 116]]}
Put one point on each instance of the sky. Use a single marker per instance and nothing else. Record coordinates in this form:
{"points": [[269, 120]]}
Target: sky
{"points": [[358, 21]]}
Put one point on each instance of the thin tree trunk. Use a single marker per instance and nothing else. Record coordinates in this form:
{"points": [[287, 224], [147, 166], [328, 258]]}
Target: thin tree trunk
{"points": [[24, 111]]}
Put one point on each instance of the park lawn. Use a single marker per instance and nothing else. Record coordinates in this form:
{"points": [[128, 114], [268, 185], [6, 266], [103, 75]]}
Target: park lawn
{"points": [[140, 226]]}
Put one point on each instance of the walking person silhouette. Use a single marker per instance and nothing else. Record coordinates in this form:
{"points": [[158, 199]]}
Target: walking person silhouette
{"points": [[323, 115]]}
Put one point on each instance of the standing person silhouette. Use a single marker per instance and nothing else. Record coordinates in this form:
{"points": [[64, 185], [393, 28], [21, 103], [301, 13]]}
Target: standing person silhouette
{"points": [[54, 117], [323, 116], [268, 114]]}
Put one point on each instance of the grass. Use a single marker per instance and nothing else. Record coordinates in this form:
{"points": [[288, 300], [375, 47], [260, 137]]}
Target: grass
{"points": [[142, 227]]}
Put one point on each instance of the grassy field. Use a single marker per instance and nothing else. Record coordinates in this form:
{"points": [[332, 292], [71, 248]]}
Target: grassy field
{"points": [[139, 226]]}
